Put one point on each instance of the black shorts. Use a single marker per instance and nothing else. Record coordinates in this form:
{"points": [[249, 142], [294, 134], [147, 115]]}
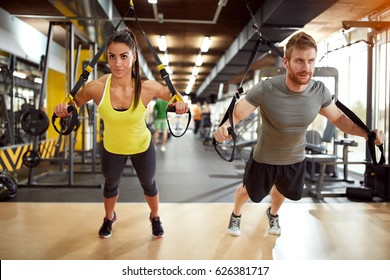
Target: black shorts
{"points": [[260, 177]]}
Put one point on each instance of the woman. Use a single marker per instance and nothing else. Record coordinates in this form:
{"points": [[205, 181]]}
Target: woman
{"points": [[122, 98]]}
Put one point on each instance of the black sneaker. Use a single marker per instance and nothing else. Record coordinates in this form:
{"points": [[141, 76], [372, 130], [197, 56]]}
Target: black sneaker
{"points": [[105, 230], [157, 230]]}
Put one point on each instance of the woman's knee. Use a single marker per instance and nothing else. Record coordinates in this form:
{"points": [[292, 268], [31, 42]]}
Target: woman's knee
{"points": [[150, 189], [110, 191]]}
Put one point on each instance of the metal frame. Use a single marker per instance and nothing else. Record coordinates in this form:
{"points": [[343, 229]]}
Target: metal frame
{"points": [[69, 157]]}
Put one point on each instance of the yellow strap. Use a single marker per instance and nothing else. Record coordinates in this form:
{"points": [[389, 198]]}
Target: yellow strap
{"points": [[69, 99], [89, 69], [176, 98]]}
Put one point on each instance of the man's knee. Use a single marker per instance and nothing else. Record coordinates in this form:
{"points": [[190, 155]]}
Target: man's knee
{"points": [[242, 191], [275, 191]]}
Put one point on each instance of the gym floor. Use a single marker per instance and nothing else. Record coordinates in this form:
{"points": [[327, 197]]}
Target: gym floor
{"points": [[196, 193]]}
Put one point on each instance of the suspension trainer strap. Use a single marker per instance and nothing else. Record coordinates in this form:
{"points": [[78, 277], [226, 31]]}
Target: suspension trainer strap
{"points": [[370, 134], [176, 96], [229, 112], [72, 108]]}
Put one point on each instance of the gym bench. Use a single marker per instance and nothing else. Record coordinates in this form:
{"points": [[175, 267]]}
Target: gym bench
{"points": [[323, 160]]}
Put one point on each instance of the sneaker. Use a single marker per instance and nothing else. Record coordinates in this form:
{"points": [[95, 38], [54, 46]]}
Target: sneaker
{"points": [[163, 149], [234, 225], [157, 230], [105, 230], [274, 227]]}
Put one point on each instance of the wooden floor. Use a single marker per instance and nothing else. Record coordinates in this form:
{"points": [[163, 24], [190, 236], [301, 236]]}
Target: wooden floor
{"points": [[195, 231], [55, 223]]}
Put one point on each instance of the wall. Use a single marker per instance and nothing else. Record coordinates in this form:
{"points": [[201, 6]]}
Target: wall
{"points": [[24, 41]]}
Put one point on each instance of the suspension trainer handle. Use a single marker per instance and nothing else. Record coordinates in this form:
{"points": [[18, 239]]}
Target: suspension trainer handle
{"points": [[171, 108], [228, 117], [234, 139], [72, 123]]}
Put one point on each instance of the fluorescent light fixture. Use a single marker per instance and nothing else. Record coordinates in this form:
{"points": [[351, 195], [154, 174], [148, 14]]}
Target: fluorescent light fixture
{"points": [[190, 84], [195, 71], [222, 2], [169, 70], [152, 1], [19, 75], [192, 80], [162, 43], [188, 89], [199, 60], [38, 80], [206, 43], [165, 59]]}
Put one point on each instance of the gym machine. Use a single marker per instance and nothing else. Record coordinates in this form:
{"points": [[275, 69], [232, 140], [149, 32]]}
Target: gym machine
{"points": [[37, 120]]}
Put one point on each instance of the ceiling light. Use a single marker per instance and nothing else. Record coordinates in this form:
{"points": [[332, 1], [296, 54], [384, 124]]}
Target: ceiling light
{"points": [[38, 80], [165, 59], [162, 43], [199, 60], [19, 75], [192, 80], [152, 1], [188, 89], [222, 2], [195, 71], [169, 70], [160, 18], [189, 86], [206, 43]]}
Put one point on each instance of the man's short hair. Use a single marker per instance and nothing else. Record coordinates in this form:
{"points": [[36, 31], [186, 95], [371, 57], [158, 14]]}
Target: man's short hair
{"points": [[300, 40]]}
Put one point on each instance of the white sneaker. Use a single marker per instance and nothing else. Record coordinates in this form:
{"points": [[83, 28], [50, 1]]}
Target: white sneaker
{"points": [[234, 225], [163, 149], [274, 227]]}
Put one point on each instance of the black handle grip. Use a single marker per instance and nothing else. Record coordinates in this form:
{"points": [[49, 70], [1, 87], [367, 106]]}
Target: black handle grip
{"points": [[73, 121], [171, 108]]}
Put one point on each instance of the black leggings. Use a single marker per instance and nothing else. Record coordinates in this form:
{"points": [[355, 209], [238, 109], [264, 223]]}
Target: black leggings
{"points": [[144, 165]]}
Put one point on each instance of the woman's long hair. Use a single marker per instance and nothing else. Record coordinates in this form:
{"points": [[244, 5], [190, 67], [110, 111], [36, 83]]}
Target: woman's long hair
{"points": [[127, 37]]}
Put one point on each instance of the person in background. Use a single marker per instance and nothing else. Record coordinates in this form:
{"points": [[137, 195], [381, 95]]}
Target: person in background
{"points": [[197, 116], [160, 124], [288, 105], [206, 116], [122, 98]]}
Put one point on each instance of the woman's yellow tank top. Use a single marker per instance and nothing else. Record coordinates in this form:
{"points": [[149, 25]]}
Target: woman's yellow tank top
{"points": [[125, 132]]}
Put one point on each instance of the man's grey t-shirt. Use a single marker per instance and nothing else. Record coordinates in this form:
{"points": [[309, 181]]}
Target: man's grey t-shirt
{"points": [[285, 118]]}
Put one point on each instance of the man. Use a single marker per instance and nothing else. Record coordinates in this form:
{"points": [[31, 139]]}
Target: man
{"points": [[288, 104], [160, 123]]}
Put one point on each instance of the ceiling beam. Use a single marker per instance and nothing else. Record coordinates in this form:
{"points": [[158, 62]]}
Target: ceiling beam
{"points": [[367, 24]]}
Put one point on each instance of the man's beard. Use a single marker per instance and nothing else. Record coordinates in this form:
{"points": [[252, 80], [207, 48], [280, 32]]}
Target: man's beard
{"points": [[296, 78]]}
